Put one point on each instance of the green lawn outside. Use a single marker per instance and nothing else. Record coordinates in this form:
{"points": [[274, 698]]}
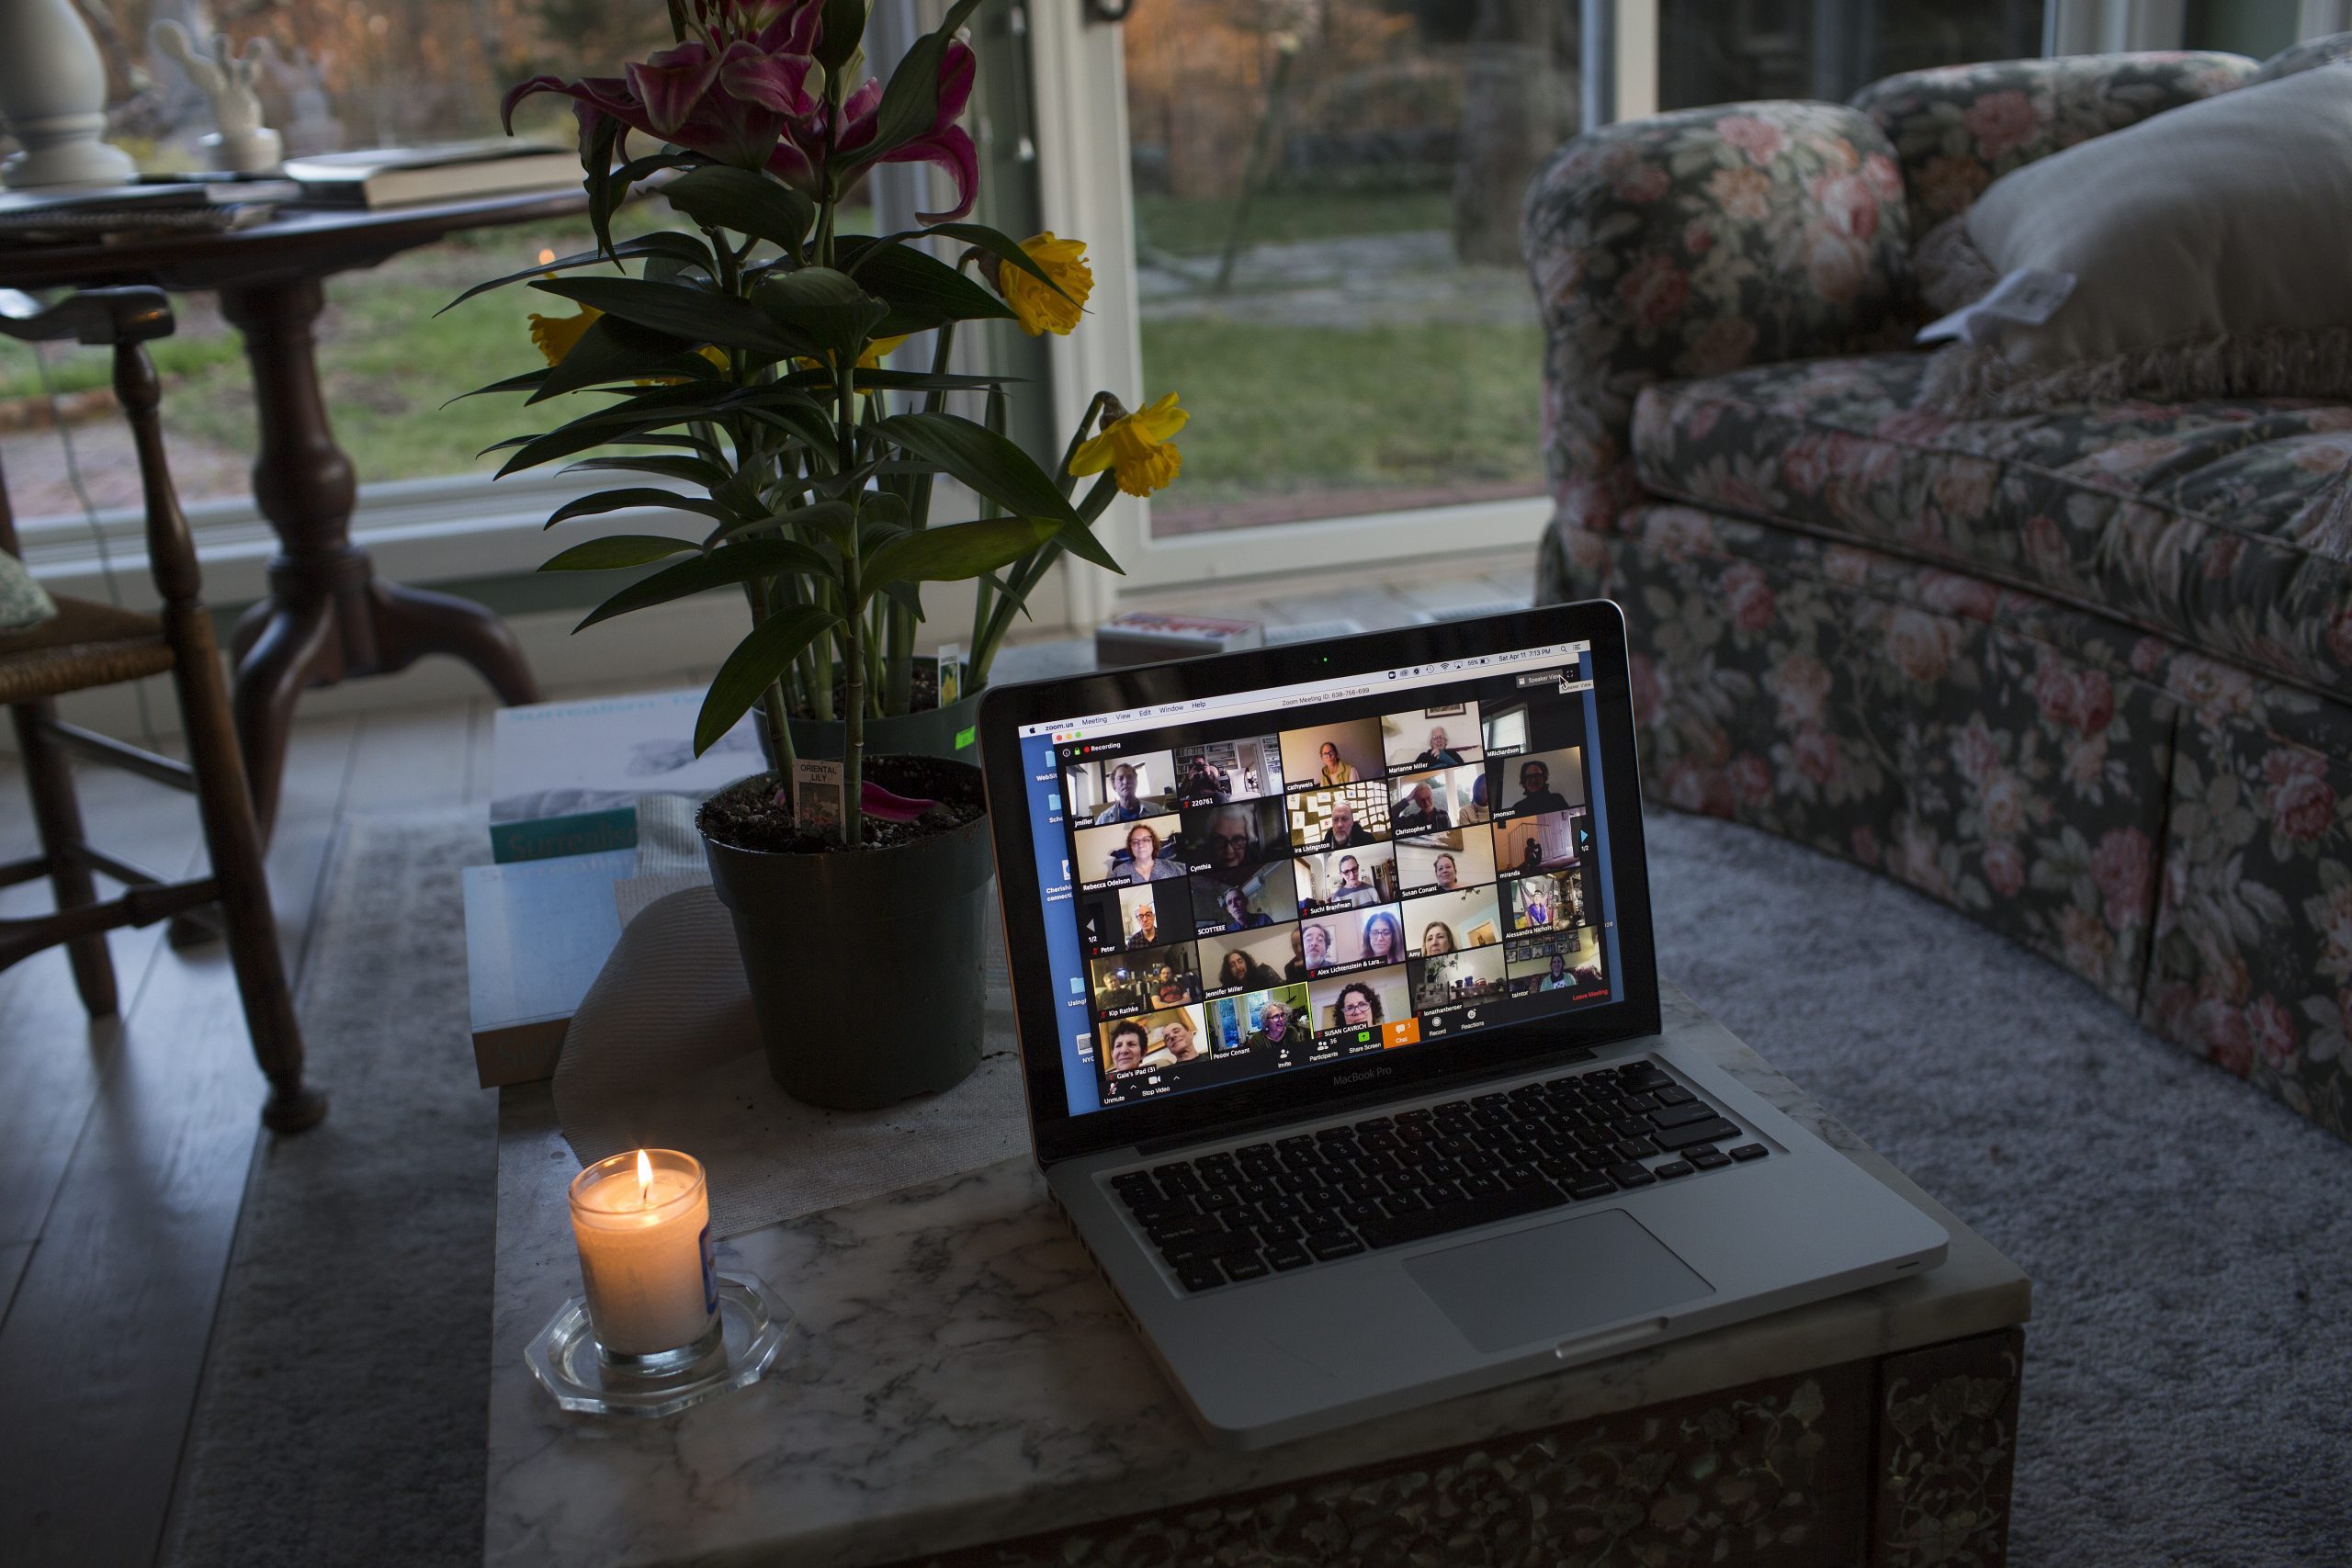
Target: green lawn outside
{"points": [[1278, 409], [1275, 410], [1196, 226]]}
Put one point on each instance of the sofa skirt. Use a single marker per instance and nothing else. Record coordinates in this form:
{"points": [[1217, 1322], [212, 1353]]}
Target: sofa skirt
{"points": [[2173, 829]]}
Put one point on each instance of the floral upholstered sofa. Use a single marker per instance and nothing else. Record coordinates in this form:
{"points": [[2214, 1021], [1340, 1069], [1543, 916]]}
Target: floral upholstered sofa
{"points": [[2085, 674]]}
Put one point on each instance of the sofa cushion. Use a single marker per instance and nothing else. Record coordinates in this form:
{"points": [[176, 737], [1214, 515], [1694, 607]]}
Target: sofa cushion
{"points": [[2206, 247], [2225, 525]]}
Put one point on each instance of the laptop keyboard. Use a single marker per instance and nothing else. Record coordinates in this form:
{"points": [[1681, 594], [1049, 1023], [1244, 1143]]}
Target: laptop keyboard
{"points": [[1243, 1214]]}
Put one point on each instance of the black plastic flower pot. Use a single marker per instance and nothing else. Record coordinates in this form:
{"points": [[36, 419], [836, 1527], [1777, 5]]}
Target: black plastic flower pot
{"points": [[951, 732], [865, 967]]}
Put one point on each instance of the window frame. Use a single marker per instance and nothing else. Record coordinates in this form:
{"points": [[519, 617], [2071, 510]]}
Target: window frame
{"points": [[1085, 189]]}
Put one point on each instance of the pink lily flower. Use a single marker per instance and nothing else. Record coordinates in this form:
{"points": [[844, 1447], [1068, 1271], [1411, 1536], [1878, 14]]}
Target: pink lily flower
{"points": [[728, 92], [745, 89]]}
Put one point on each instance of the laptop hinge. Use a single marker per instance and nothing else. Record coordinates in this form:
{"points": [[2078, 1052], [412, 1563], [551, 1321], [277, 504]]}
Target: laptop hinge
{"points": [[1342, 1103]]}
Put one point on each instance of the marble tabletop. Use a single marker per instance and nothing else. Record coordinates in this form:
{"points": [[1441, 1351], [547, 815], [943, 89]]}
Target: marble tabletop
{"points": [[968, 1379]]}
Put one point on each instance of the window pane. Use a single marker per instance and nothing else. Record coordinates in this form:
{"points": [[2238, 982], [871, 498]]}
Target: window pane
{"points": [[1327, 228], [1713, 52], [364, 74]]}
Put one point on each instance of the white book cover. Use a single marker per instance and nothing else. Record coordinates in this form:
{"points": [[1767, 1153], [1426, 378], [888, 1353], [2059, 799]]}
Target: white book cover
{"points": [[564, 758]]}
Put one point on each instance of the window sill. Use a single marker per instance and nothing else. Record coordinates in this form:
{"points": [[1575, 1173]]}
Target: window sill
{"points": [[431, 530]]}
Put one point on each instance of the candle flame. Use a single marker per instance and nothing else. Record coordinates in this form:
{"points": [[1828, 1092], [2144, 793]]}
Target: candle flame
{"points": [[644, 1180], [546, 256]]}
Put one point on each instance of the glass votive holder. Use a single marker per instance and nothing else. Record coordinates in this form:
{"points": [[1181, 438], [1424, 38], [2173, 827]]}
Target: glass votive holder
{"points": [[642, 1223]]}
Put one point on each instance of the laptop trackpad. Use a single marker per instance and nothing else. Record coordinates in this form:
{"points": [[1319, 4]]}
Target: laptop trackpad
{"points": [[1555, 1280]]}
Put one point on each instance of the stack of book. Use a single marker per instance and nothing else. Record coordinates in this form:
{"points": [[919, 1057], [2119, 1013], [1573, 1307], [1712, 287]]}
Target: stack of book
{"points": [[565, 780], [441, 171]]}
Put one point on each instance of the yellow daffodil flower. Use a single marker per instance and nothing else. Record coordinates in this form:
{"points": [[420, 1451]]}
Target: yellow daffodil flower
{"points": [[871, 359], [1039, 308], [1135, 447], [556, 336]]}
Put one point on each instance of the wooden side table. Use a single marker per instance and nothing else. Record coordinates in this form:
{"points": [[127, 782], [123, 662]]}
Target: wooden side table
{"points": [[971, 1394], [327, 616]]}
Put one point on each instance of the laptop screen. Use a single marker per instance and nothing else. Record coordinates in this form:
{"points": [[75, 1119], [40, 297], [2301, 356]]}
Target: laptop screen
{"points": [[1246, 885]]}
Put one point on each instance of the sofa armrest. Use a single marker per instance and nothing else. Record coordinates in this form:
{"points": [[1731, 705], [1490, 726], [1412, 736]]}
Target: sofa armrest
{"points": [[1956, 129], [1693, 244]]}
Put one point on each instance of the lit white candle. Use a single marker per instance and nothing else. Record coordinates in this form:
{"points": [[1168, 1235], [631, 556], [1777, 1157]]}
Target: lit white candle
{"points": [[642, 1221]]}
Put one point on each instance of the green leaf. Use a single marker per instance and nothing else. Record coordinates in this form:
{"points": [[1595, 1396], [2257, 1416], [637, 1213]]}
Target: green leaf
{"points": [[684, 248], [530, 451], [989, 463], [824, 310], [686, 470], [1079, 539], [635, 497], [719, 197], [596, 159], [614, 350], [616, 550], [922, 291], [753, 667], [839, 33], [909, 595], [722, 568], [528, 381], [909, 104], [958, 551], [828, 519], [698, 315], [1003, 246]]}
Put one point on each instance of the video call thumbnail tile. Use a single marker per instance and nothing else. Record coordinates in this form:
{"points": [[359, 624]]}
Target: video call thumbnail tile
{"points": [[1251, 961], [1365, 1000], [1452, 923], [1119, 789], [1148, 915], [1536, 903], [1239, 833], [1345, 940], [1162, 1039], [1147, 978], [1442, 797], [1219, 771], [1271, 1023], [1147, 851], [1336, 818], [1431, 738], [1536, 782], [1435, 862], [1326, 754], [1458, 979], [1246, 899], [1567, 960], [1547, 842], [1347, 879]]}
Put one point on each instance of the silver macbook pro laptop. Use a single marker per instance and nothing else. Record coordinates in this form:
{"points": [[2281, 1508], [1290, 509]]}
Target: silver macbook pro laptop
{"points": [[1339, 1021]]}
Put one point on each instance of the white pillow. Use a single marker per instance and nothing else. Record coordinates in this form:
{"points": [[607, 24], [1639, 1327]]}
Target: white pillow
{"points": [[2211, 247]]}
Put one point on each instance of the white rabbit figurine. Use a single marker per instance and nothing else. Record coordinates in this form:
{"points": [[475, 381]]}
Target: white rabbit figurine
{"points": [[243, 144]]}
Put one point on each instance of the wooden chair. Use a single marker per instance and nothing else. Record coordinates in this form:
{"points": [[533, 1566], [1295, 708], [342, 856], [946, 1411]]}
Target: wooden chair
{"points": [[89, 645]]}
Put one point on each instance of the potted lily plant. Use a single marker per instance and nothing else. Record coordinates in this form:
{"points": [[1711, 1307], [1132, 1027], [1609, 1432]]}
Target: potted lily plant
{"points": [[744, 359]]}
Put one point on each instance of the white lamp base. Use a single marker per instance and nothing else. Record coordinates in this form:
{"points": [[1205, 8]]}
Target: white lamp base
{"points": [[65, 150]]}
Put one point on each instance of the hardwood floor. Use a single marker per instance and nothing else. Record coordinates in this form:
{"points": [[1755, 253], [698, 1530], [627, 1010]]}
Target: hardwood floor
{"points": [[125, 1145]]}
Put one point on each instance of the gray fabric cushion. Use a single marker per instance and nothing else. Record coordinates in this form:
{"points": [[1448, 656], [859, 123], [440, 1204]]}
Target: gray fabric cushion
{"points": [[23, 602], [2207, 244]]}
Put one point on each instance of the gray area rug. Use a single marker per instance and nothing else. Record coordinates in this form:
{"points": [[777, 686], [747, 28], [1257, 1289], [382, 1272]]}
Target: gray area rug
{"points": [[2188, 1371], [345, 1405]]}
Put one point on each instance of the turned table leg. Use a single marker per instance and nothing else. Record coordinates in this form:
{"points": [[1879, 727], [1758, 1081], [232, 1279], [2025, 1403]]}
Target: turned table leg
{"points": [[327, 616]]}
